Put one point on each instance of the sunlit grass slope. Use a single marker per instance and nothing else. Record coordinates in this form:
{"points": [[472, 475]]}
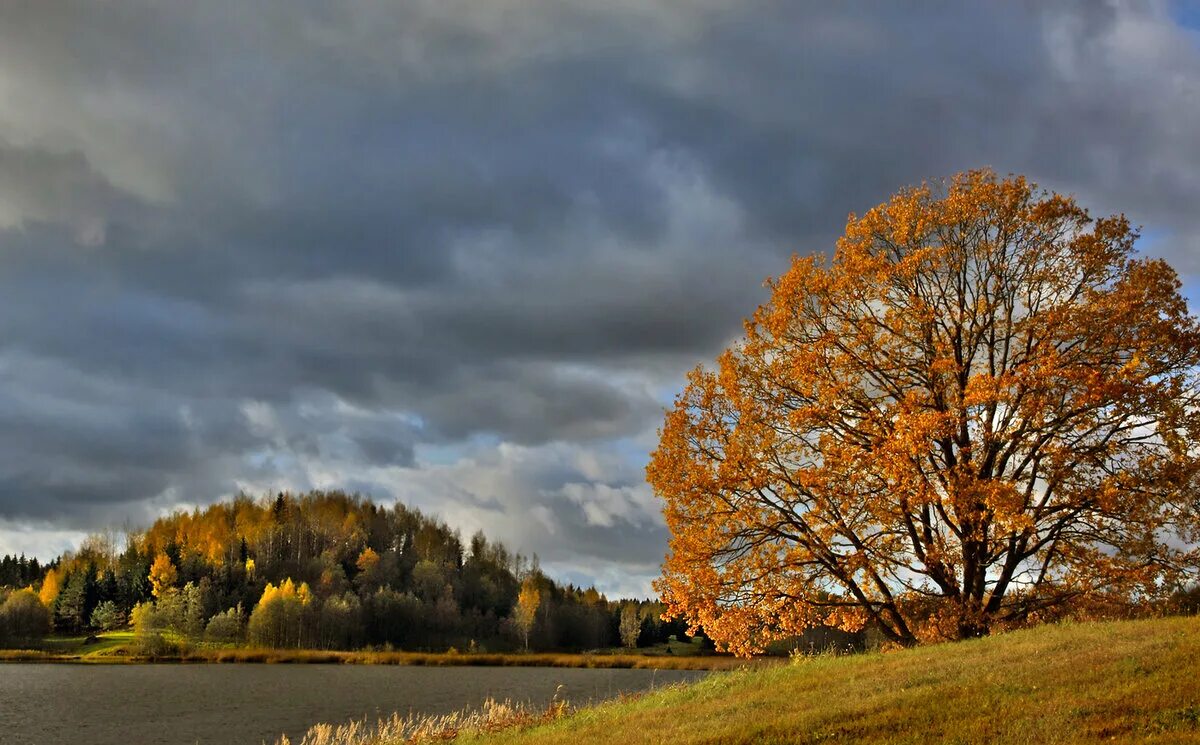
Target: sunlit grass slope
{"points": [[1136, 681]]}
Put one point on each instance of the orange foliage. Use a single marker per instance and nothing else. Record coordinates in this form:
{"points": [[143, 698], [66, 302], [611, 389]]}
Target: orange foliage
{"points": [[218, 534], [981, 411], [367, 560]]}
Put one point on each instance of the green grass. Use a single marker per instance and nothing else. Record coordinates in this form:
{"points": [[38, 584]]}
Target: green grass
{"points": [[1135, 681], [107, 644]]}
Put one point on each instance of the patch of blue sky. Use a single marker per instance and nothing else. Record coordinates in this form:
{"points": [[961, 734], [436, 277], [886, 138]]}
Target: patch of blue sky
{"points": [[1186, 13], [632, 450], [665, 394], [1152, 237], [1152, 242]]}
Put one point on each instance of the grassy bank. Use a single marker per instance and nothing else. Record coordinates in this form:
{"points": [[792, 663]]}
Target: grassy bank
{"points": [[1125, 682], [120, 647]]}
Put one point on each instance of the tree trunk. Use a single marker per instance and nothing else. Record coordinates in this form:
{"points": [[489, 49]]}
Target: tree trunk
{"points": [[970, 629]]}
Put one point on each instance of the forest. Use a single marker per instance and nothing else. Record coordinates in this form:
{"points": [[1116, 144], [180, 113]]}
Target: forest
{"points": [[322, 570]]}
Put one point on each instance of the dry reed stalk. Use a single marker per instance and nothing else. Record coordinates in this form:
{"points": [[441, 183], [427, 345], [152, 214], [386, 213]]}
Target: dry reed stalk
{"points": [[493, 716]]}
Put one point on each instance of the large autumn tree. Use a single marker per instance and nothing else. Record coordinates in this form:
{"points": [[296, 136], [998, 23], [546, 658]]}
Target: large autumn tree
{"points": [[980, 411]]}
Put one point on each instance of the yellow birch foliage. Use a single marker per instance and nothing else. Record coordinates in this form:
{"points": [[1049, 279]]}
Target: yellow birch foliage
{"points": [[51, 586], [278, 619], [163, 575], [528, 602]]}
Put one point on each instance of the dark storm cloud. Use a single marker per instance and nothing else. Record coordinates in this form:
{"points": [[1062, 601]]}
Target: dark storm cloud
{"points": [[295, 245]]}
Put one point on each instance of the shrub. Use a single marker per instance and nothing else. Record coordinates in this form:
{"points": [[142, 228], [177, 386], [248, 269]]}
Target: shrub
{"points": [[146, 617], [153, 644], [23, 618], [225, 627]]}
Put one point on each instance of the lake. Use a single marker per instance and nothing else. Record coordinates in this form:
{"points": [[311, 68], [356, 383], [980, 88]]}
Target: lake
{"points": [[247, 704]]}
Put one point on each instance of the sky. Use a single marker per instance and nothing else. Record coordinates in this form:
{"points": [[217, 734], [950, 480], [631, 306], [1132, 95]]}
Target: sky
{"points": [[460, 254]]}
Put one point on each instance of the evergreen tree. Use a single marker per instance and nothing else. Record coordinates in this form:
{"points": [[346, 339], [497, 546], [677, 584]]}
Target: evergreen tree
{"points": [[73, 606]]}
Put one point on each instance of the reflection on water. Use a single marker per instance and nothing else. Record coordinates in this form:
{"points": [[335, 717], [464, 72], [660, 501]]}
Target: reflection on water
{"points": [[249, 704]]}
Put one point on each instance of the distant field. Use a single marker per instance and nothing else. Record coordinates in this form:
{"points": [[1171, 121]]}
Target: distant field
{"points": [[117, 647], [1135, 681]]}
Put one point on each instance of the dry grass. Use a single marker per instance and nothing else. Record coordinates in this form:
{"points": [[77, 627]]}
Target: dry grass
{"points": [[1135, 681], [27, 655], [493, 717]]}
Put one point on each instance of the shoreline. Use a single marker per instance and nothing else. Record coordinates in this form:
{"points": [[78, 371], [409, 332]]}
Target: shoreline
{"points": [[409, 659]]}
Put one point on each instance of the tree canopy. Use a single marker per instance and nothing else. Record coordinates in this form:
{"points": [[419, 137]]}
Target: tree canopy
{"points": [[322, 569], [979, 412]]}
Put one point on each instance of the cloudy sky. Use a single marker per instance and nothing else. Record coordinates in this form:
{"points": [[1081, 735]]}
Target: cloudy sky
{"points": [[459, 253]]}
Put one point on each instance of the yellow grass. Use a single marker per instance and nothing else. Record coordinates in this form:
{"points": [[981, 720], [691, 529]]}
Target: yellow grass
{"points": [[494, 716], [1134, 681]]}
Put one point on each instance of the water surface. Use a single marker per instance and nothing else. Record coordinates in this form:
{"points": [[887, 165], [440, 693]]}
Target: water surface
{"points": [[247, 704]]}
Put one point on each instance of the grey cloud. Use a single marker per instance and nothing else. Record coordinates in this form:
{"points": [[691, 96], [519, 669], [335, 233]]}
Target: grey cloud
{"points": [[569, 503], [528, 403], [294, 246], [43, 186]]}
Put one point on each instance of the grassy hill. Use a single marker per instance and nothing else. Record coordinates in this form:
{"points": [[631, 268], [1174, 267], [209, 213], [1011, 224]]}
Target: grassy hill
{"points": [[1133, 681]]}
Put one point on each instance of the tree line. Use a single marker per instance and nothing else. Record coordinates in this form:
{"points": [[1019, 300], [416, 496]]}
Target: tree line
{"points": [[324, 570]]}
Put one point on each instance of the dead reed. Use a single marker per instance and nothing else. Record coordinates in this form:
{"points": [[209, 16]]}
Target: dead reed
{"points": [[493, 716]]}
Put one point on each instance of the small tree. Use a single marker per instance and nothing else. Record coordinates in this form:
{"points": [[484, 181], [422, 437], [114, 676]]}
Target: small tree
{"points": [[372, 571], [225, 628], [144, 618], [341, 622], [170, 611], [192, 619], [107, 616], [72, 608], [23, 618], [163, 575], [51, 586], [148, 624], [429, 579], [631, 625], [279, 618], [525, 612]]}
